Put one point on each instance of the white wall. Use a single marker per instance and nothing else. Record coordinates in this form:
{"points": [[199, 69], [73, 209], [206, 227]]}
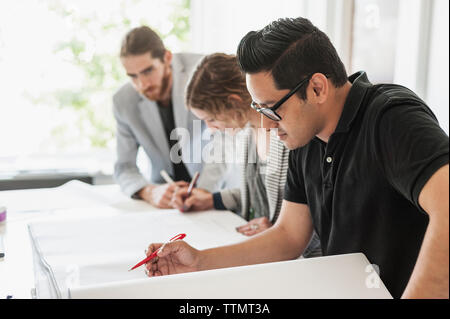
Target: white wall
{"points": [[218, 26], [422, 53], [437, 91], [420, 37]]}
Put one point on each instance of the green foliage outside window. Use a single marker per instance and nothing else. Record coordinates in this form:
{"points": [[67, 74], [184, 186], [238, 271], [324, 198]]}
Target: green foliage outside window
{"points": [[88, 49]]}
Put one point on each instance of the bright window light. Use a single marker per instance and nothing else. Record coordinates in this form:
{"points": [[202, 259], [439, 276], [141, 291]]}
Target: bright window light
{"points": [[59, 68]]}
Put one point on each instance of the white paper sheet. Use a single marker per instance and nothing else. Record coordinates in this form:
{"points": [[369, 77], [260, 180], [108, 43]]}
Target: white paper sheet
{"points": [[73, 194], [91, 251]]}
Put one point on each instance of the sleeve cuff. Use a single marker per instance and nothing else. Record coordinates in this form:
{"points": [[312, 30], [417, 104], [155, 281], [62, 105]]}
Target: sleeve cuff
{"points": [[294, 197], [218, 203], [136, 195], [426, 174], [130, 189]]}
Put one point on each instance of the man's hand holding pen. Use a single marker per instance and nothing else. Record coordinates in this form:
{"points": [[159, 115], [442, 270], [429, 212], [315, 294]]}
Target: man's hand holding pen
{"points": [[160, 195], [175, 257]]}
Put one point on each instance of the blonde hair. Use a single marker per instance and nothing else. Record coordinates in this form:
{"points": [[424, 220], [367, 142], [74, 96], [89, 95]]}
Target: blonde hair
{"points": [[216, 77]]}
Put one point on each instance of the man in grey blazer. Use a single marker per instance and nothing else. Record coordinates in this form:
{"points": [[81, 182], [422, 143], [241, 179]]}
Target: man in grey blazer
{"points": [[147, 111]]}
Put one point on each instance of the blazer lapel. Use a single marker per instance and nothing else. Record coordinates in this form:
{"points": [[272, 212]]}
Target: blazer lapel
{"points": [[180, 113], [149, 109], [153, 123]]}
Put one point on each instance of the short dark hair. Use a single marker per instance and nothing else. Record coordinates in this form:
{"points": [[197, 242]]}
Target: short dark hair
{"points": [[141, 40], [290, 49]]}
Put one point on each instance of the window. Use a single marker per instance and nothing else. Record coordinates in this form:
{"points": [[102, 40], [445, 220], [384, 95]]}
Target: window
{"points": [[375, 27], [59, 66], [405, 42], [59, 69]]}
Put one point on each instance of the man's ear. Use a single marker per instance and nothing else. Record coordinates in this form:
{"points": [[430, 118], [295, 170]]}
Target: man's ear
{"points": [[320, 87], [168, 57]]}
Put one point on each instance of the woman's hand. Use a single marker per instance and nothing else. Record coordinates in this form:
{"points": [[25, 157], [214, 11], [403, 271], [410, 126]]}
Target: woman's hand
{"points": [[254, 226], [199, 200]]}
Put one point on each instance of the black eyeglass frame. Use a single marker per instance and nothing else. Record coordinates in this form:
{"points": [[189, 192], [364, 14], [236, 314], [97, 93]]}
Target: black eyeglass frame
{"points": [[270, 111]]}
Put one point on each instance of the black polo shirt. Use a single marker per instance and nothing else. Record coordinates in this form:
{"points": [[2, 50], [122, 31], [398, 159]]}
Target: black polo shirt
{"points": [[362, 187]]}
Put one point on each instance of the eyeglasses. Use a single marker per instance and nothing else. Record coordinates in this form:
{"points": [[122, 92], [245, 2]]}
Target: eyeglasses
{"points": [[270, 111]]}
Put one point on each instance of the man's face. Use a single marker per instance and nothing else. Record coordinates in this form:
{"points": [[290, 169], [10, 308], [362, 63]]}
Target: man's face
{"points": [[299, 120], [149, 76]]}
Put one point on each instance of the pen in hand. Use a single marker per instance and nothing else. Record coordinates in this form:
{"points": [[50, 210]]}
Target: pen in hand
{"points": [[190, 188], [153, 255], [166, 177]]}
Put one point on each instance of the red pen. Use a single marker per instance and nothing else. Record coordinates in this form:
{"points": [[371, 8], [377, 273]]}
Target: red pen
{"points": [[153, 255], [190, 188]]}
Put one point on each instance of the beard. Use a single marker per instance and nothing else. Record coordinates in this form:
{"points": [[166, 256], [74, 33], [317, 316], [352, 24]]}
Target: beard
{"points": [[152, 93], [159, 92]]}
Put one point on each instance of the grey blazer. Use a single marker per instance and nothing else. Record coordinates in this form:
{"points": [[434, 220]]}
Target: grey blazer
{"points": [[139, 125]]}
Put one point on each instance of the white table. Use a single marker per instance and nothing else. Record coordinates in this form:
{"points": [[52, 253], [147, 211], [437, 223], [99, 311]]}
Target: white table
{"points": [[24, 206], [79, 200], [330, 277]]}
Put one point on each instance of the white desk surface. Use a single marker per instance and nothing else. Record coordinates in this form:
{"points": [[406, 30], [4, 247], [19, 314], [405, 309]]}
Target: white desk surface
{"points": [[24, 206]]}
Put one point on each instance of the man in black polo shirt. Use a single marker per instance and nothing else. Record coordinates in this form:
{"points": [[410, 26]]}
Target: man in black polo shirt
{"points": [[368, 171]]}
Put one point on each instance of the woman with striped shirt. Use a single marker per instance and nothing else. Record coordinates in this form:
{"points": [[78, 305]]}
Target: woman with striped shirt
{"points": [[217, 94]]}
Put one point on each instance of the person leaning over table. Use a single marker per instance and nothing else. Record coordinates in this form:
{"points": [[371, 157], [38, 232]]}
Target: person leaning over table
{"points": [[216, 93], [368, 167], [147, 110]]}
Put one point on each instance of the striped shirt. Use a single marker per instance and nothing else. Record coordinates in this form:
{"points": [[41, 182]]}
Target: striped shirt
{"points": [[237, 199]]}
